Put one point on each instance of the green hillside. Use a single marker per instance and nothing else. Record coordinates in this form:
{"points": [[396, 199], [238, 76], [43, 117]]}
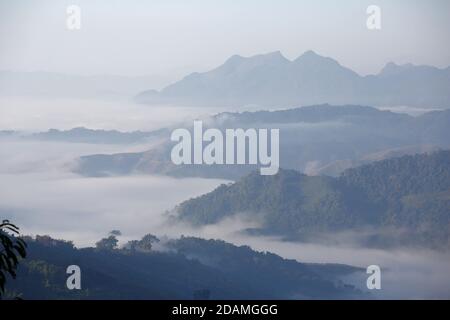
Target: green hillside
{"points": [[411, 193]]}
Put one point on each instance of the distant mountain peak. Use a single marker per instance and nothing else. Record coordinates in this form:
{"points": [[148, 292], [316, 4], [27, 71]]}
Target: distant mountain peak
{"points": [[238, 62], [312, 59], [267, 57], [271, 80], [392, 68], [234, 58], [275, 54], [311, 55]]}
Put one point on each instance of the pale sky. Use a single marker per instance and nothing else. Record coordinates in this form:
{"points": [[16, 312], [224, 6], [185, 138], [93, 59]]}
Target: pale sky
{"points": [[175, 37]]}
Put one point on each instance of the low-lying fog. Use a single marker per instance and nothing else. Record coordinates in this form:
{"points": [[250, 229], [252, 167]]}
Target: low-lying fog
{"points": [[40, 194], [39, 114], [412, 111], [35, 114]]}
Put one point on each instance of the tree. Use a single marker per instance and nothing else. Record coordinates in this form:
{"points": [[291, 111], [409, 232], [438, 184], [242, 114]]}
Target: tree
{"points": [[116, 233], [12, 249], [132, 245], [145, 244], [109, 243]]}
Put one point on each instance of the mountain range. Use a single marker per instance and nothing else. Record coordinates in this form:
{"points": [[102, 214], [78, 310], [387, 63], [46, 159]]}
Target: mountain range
{"points": [[93, 136], [85, 135], [271, 80], [320, 139]]}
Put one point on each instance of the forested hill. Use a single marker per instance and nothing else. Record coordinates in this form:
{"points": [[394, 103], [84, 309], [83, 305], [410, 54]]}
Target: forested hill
{"points": [[184, 270], [397, 177], [410, 193]]}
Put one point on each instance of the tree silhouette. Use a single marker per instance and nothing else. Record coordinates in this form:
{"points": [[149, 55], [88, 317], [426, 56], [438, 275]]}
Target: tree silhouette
{"points": [[116, 233], [109, 243], [12, 249], [143, 245], [147, 242]]}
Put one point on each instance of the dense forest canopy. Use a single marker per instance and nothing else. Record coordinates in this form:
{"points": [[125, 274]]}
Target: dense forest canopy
{"points": [[410, 193]]}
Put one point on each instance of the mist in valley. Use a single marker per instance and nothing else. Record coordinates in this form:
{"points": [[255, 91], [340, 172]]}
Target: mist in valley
{"points": [[32, 114], [44, 197]]}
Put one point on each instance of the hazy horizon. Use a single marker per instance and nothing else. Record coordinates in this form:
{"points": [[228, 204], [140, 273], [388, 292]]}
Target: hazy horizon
{"points": [[171, 39], [373, 72]]}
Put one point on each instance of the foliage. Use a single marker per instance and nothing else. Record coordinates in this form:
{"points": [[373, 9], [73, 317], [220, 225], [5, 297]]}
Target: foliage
{"points": [[109, 243], [145, 244], [409, 192], [187, 269], [11, 249], [116, 233]]}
